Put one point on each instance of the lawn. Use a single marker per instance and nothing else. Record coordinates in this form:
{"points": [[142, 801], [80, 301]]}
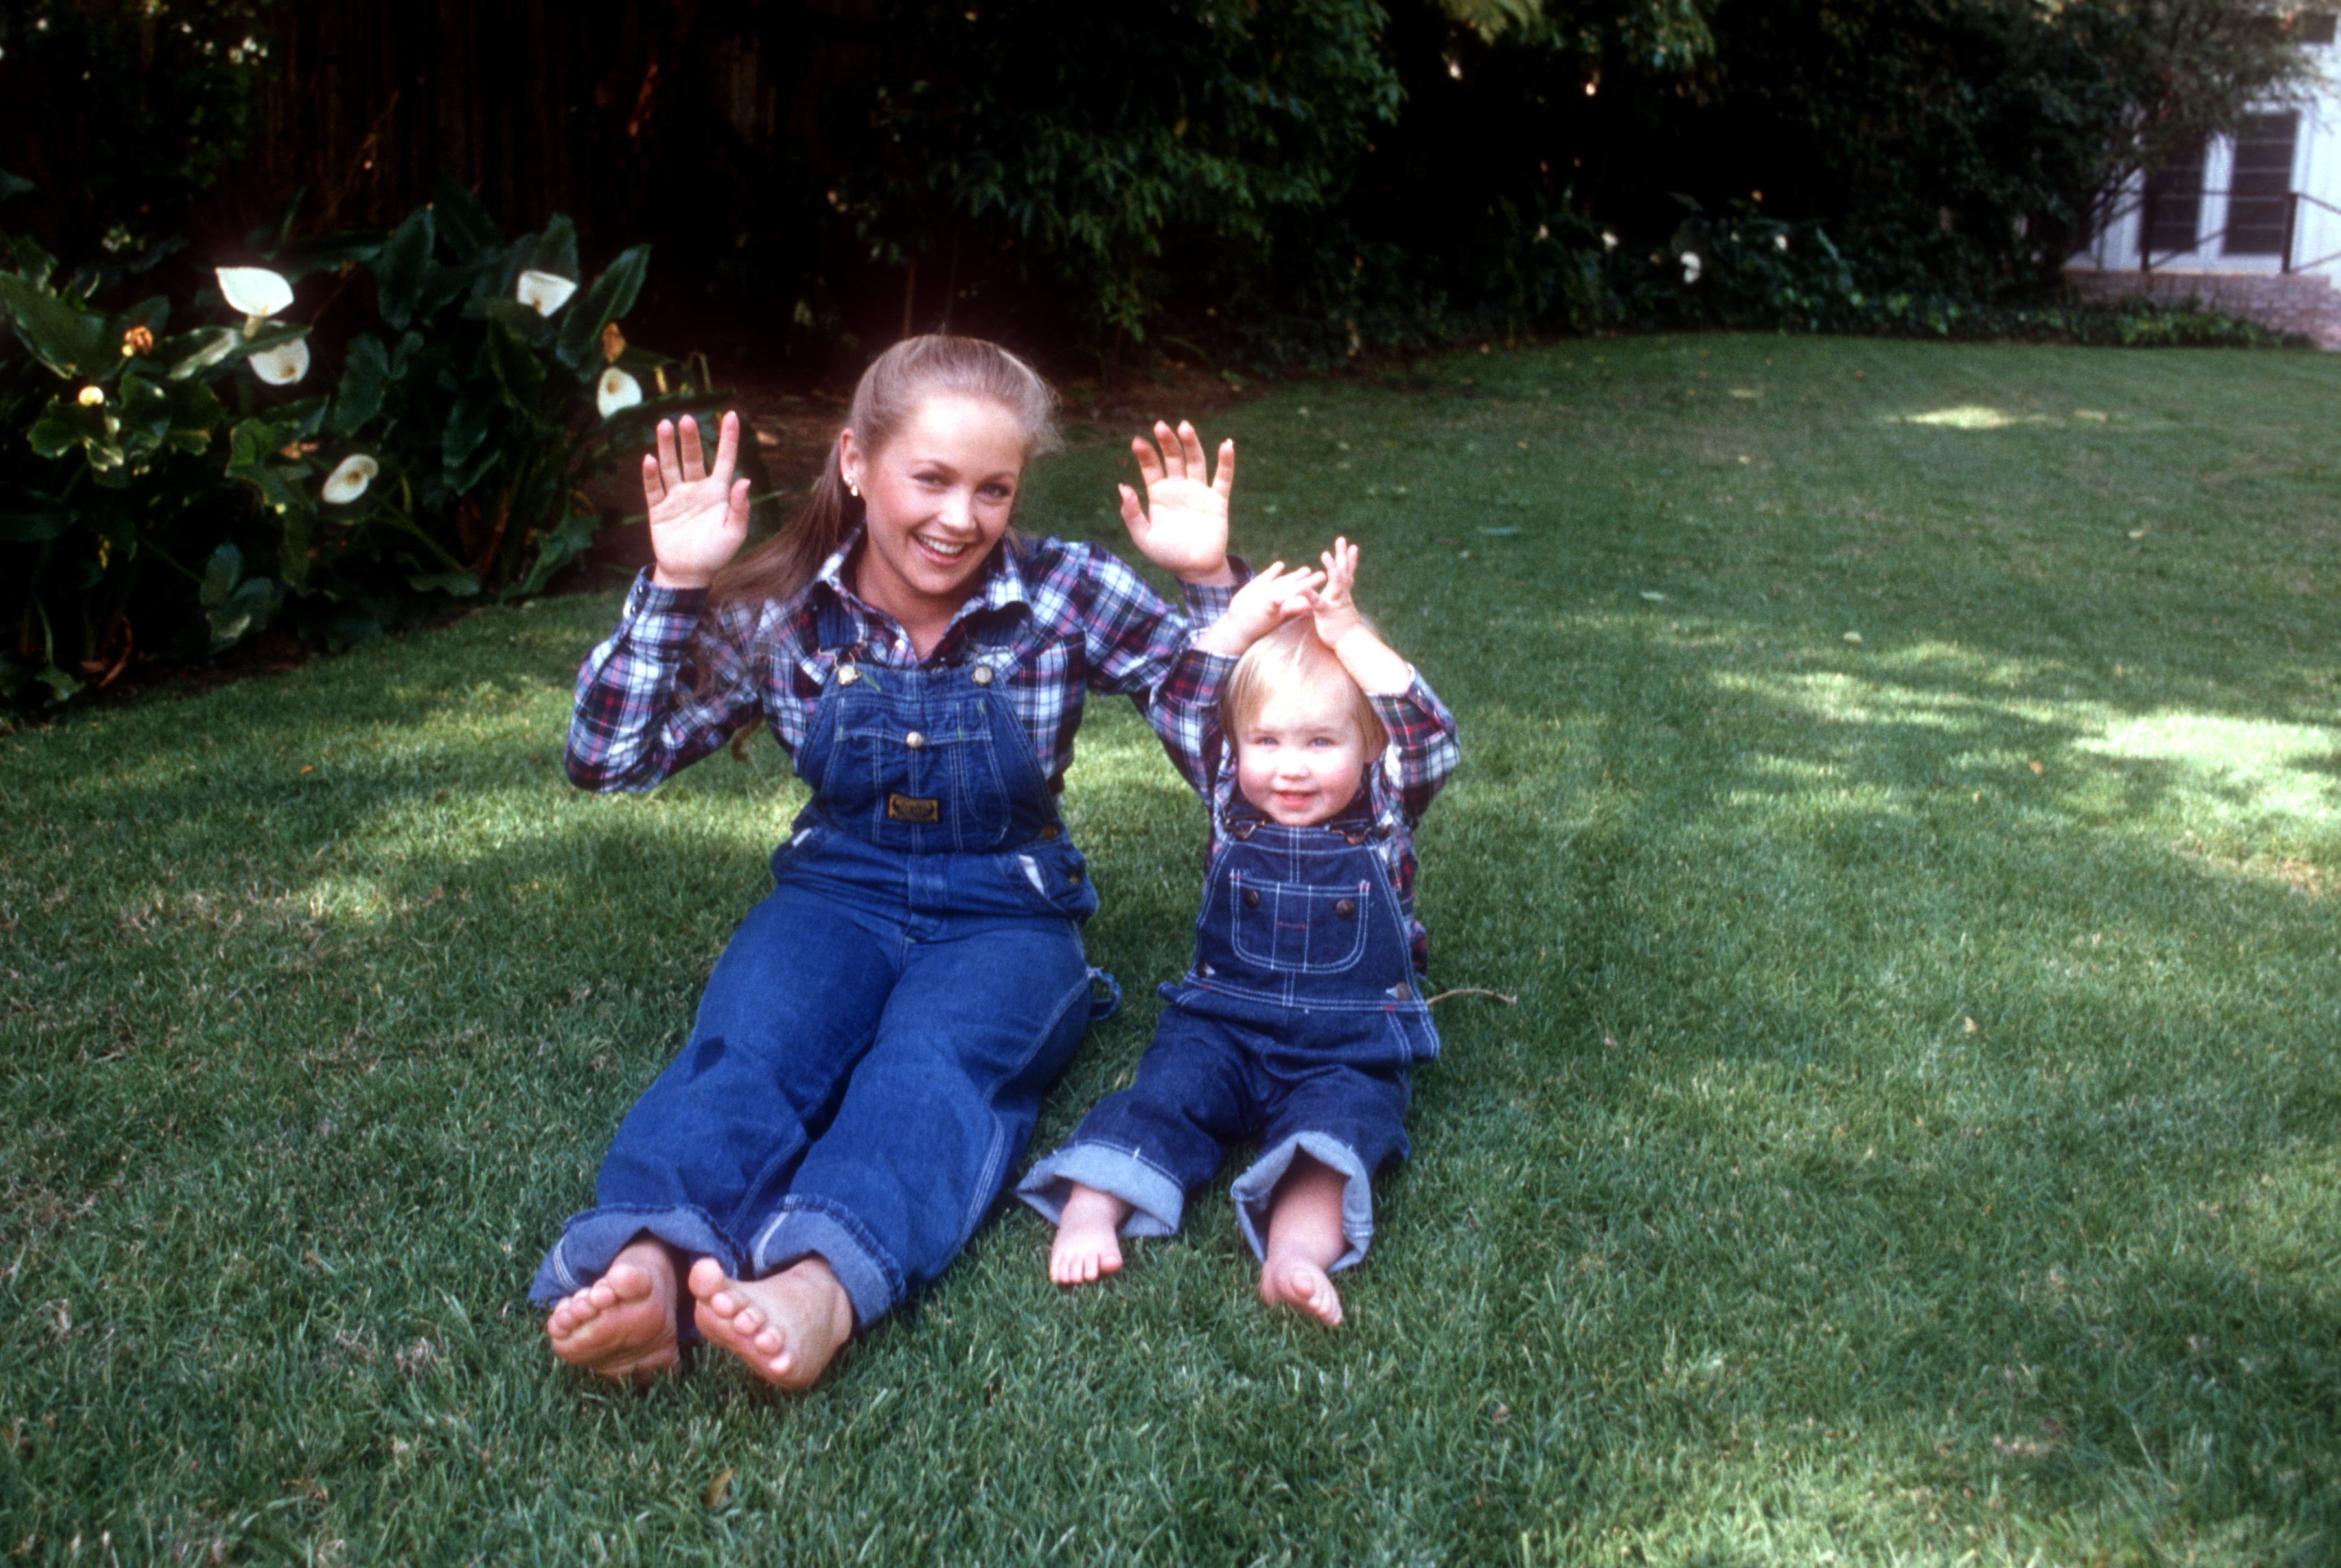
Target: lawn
{"points": [[1902, 786]]}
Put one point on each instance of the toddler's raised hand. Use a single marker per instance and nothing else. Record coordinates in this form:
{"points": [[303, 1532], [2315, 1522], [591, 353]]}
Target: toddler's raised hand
{"points": [[698, 515], [1260, 607], [1336, 611]]}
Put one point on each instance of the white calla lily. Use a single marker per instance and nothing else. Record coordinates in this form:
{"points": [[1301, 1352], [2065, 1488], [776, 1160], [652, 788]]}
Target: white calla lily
{"points": [[617, 390], [255, 290], [350, 477], [282, 365], [1690, 265], [544, 291]]}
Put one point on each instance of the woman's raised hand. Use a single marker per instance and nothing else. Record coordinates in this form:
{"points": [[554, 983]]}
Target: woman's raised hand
{"points": [[1183, 526], [699, 516]]}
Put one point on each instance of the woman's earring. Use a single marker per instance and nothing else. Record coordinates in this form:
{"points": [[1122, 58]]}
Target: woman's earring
{"points": [[853, 490]]}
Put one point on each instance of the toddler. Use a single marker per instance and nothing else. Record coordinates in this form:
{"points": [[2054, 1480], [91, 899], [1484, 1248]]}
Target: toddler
{"points": [[1315, 749]]}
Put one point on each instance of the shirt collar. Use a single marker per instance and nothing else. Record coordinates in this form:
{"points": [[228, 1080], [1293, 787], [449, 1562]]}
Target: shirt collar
{"points": [[1004, 585]]}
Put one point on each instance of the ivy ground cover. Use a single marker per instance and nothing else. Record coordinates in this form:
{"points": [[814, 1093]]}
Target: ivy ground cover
{"points": [[1902, 790]]}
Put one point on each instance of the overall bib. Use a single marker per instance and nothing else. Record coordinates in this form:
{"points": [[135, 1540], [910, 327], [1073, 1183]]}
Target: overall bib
{"points": [[871, 1052], [1297, 1026]]}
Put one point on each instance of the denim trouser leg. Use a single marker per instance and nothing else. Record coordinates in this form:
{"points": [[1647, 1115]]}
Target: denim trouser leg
{"points": [[715, 1138], [1351, 1120], [1152, 1144], [938, 1111]]}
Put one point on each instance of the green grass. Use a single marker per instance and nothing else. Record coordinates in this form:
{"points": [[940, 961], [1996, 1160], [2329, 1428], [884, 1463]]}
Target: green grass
{"points": [[1916, 1139]]}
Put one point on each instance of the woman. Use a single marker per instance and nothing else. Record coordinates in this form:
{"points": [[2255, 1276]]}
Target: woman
{"points": [[871, 1048]]}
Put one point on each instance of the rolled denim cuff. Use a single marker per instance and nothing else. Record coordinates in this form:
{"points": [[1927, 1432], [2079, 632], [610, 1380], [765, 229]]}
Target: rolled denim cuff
{"points": [[1256, 1187], [807, 1227], [1156, 1201], [590, 1242]]}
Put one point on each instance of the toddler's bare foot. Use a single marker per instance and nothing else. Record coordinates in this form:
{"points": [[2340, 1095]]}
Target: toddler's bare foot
{"points": [[1299, 1283], [622, 1324], [786, 1327], [1088, 1237]]}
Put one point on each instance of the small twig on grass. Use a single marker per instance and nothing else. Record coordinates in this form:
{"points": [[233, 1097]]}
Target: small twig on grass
{"points": [[1503, 996]]}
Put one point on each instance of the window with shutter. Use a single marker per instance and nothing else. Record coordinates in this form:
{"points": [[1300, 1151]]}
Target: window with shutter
{"points": [[2174, 204], [2261, 190]]}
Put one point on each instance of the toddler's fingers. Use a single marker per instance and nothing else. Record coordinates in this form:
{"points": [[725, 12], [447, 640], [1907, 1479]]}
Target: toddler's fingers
{"points": [[1133, 517], [653, 487], [1224, 481], [694, 456]]}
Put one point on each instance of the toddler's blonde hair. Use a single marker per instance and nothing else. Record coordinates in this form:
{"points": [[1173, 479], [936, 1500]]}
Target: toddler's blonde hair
{"points": [[1286, 658]]}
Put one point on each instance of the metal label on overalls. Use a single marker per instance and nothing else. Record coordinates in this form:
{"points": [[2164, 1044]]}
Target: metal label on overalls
{"points": [[912, 808]]}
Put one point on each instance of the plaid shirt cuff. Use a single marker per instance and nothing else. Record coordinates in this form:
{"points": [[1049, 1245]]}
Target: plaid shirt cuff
{"points": [[1206, 601], [661, 620], [1422, 734]]}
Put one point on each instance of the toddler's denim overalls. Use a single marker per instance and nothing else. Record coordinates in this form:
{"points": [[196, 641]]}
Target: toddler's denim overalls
{"points": [[1297, 1026], [867, 1060]]}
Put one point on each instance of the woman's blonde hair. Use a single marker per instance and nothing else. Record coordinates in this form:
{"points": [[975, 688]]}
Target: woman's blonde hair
{"points": [[1287, 657], [889, 394]]}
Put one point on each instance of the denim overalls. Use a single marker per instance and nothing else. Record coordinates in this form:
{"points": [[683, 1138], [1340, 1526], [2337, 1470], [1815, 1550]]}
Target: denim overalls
{"points": [[873, 1047], [1297, 1026]]}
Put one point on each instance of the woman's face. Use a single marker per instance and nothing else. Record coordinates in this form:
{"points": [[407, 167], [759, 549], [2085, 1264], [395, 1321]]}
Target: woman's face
{"points": [[938, 496]]}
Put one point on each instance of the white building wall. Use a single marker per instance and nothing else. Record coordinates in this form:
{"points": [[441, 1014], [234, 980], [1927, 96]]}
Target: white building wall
{"points": [[2316, 175]]}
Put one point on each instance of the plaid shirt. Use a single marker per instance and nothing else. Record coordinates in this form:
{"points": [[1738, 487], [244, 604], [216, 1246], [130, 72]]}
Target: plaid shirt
{"points": [[1400, 786], [674, 681]]}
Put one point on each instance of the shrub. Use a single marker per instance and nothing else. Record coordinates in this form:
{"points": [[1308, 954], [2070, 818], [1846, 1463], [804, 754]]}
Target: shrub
{"points": [[177, 491]]}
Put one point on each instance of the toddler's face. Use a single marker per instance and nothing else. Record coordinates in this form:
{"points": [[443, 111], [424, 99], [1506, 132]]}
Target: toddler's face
{"points": [[1301, 759]]}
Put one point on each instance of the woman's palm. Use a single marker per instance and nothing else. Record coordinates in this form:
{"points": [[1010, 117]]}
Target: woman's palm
{"points": [[1183, 526], [698, 515]]}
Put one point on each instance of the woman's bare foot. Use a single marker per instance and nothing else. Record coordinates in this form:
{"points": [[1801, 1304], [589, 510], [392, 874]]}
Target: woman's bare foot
{"points": [[786, 1327], [622, 1324], [1305, 1239], [1299, 1283], [1088, 1237]]}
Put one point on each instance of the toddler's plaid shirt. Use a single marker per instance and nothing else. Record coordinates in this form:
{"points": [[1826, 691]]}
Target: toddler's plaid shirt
{"points": [[1418, 760]]}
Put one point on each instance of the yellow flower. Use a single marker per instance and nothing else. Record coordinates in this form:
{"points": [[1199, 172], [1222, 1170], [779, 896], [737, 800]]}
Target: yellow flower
{"points": [[93, 397], [137, 340]]}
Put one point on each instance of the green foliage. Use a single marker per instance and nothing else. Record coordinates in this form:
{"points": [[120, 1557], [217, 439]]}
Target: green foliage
{"points": [[166, 96], [1100, 153], [464, 434]]}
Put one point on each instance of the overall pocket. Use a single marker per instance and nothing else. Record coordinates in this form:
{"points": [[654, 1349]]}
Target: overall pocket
{"points": [[943, 777], [1297, 928], [1052, 875]]}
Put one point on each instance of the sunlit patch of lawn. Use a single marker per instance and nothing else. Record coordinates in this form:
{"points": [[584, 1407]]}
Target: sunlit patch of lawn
{"points": [[1902, 789]]}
